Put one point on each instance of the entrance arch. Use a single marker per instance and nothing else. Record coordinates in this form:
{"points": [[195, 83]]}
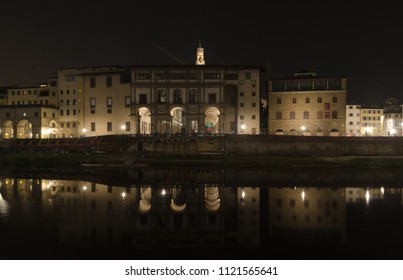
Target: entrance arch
{"points": [[178, 120], [24, 129], [211, 120], [7, 130], [145, 120]]}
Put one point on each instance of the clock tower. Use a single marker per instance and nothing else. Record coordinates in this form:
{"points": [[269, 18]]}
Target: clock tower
{"points": [[200, 55]]}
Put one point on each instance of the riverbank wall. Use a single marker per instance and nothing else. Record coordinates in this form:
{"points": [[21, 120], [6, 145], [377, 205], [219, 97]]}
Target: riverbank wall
{"points": [[227, 145]]}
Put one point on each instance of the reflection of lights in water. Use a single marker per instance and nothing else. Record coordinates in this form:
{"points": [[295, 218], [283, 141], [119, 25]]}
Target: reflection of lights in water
{"points": [[163, 192], [243, 194], [3, 206], [303, 195], [367, 196], [123, 195], [382, 190]]}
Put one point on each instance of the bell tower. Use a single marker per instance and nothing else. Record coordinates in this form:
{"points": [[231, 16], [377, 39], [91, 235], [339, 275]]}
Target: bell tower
{"points": [[200, 55]]}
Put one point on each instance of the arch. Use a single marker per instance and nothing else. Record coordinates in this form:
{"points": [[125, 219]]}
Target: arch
{"points": [[178, 120], [24, 130], [212, 198], [211, 120], [144, 121], [334, 132], [293, 132], [279, 132], [7, 130], [145, 200]]}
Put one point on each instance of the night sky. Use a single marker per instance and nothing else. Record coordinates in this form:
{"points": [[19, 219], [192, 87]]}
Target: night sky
{"points": [[334, 38]]}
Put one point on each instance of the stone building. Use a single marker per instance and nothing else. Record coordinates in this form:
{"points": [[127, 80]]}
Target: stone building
{"points": [[307, 104], [147, 99]]}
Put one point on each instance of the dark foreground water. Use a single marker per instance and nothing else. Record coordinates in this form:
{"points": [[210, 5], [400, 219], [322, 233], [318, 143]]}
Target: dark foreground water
{"points": [[200, 214]]}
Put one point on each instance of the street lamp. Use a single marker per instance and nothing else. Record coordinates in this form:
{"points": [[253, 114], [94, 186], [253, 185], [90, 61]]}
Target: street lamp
{"points": [[123, 127], [243, 128], [303, 129], [84, 130]]}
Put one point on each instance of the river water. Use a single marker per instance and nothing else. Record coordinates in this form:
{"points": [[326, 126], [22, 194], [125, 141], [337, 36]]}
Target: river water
{"points": [[201, 213]]}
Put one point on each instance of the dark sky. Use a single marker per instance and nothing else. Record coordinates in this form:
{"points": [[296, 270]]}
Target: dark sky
{"points": [[363, 42]]}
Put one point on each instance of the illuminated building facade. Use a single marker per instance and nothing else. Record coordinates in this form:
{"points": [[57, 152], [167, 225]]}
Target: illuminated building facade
{"points": [[392, 118], [307, 104], [353, 120], [106, 100], [371, 121]]}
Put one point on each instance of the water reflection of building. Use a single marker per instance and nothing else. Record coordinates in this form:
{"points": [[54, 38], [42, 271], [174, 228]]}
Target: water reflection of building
{"points": [[207, 216], [307, 214], [145, 216], [361, 195]]}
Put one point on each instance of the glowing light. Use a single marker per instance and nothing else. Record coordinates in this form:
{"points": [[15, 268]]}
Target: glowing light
{"points": [[303, 127], [123, 127], [84, 188], [84, 130], [3, 206], [382, 190], [243, 126], [243, 194], [303, 195], [123, 195], [163, 192], [367, 196]]}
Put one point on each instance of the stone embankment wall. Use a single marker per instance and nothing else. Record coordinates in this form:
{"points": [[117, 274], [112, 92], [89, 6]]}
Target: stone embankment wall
{"points": [[275, 145]]}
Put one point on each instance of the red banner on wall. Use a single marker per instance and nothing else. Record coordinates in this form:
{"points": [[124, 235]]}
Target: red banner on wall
{"points": [[327, 110]]}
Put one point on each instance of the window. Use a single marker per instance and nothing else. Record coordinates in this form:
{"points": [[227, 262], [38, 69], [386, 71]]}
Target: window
{"points": [[334, 99], [177, 96], [212, 98], [162, 96], [278, 100], [143, 98], [253, 117], [253, 83], [127, 126], [241, 93], [241, 117], [306, 115], [193, 96], [127, 100], [109, 102], [279, 115], [61, 113], [334, 115], [294, 100], [253, 104], [307, 100], [93, 127], [92, 82], [108, 81], [93, 102], [247, 75], [319, 99], [320, 115], [253, 93], [68, 102], [292, 115], [109, 126], [36, 114], [241, 104]]}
